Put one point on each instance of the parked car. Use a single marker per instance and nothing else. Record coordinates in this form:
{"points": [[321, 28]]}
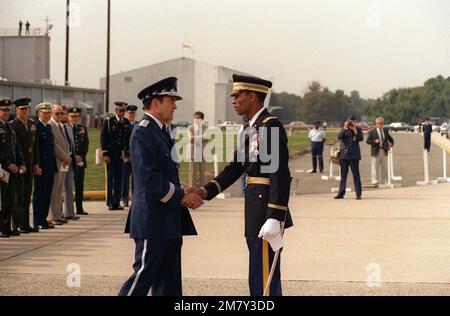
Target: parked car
{"points": [[298, 125], [182, 124], [399, 126], [229, 124], [444, 129], [436, 128]]}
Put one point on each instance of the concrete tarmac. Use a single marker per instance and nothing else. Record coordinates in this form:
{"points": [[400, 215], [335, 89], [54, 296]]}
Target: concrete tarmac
{"points": [[397, 239]]}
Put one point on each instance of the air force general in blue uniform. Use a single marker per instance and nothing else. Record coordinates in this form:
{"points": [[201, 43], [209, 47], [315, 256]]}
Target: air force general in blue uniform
{"points": [[157, 219]]}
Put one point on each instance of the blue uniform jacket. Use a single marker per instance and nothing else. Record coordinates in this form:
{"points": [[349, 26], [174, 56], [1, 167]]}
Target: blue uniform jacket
{"points": [[156, 210], [350, 143], [47, 154]]}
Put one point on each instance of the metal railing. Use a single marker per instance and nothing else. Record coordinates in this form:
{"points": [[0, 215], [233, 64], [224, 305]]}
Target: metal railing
{"points": [[36, 31]]}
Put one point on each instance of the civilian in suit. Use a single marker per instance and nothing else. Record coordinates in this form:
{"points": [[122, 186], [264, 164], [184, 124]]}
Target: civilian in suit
{"points": [[198, 141], [158, 216], [43, 181], [381, 141], [26, 133], [63, 161], [350, 136]]}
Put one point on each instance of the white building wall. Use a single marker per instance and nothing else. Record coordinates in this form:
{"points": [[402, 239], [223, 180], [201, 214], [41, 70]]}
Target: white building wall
{"points": [[205, 90], [204, 87], [25, 58], [126, 85]]}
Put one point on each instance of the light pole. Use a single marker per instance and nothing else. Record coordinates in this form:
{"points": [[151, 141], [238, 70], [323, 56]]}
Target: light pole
{"points": [[108, 45], [66, 81]]}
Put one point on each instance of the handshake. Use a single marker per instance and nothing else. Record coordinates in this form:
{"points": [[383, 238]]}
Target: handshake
{"points": [[193, 198]]}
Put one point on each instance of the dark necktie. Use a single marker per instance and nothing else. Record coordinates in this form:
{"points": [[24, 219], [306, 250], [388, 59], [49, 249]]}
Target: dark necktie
{"points": [[382, 135], [165, 130]]}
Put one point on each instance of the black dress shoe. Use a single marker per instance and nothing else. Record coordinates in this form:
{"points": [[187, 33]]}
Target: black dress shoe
{"points": [[14, 233], [337, 197], [24, 231], [4, 235], [46, 226], [33, 229], [313, 171], [82, 213], [116, 208], [359, 198], [73, 218]]}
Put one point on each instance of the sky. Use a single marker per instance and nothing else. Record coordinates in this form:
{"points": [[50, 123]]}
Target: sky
{"points": [[369, 46]]}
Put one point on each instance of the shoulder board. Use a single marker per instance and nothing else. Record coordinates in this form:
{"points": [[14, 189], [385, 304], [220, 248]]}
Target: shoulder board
{"points": [[11, 122], [144, 123], [270, 118]]}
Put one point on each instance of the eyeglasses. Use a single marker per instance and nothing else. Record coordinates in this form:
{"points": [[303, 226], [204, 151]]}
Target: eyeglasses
{"points": [[58, 113]]}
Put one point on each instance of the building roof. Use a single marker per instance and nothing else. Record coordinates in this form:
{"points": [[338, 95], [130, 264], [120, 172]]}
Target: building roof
{"points": [[47, 86]]}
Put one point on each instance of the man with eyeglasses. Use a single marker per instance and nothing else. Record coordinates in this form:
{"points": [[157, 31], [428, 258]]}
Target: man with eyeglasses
{"points": [[11, 160], [114, 141], [63, 161]]}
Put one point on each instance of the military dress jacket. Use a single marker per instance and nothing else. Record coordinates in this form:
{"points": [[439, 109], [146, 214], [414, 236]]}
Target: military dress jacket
{"points": [[267, 193], [27, 137], [156, 210]]}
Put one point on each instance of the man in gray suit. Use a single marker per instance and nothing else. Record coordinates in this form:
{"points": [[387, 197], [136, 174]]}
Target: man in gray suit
{"points": [[63, 161], [381, 141]]}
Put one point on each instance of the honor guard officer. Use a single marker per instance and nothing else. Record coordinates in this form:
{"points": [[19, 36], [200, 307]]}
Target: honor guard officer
{"points": [[81, 139], [127, 171], [11, 159], [25, 129], [158, 216], [43, 181], [267, 193], [114, 140]]}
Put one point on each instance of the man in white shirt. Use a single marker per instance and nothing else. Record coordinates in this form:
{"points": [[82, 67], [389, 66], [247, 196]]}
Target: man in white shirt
{"points": [[317, 138]]}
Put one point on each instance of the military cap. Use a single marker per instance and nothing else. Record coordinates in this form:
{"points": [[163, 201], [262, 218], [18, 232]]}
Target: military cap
{"points": [[165, 87], [44, 107], [120, 105], [248, 83], [131, 108], [22, 103], [352, 118], [317, 123], [74, 111], [5, 104]]}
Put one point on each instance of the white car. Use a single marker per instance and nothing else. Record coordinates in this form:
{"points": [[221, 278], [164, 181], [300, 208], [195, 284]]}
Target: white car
{"points": [[444, 129], [229, 124], [298, 125]]}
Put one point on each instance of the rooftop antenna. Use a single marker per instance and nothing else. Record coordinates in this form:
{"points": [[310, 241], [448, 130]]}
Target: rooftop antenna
{"points": [[48, 26]]}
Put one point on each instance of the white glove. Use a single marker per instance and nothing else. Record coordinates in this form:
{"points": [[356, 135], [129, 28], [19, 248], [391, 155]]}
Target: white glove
{"points": [[271, 231], [271, 227]]}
